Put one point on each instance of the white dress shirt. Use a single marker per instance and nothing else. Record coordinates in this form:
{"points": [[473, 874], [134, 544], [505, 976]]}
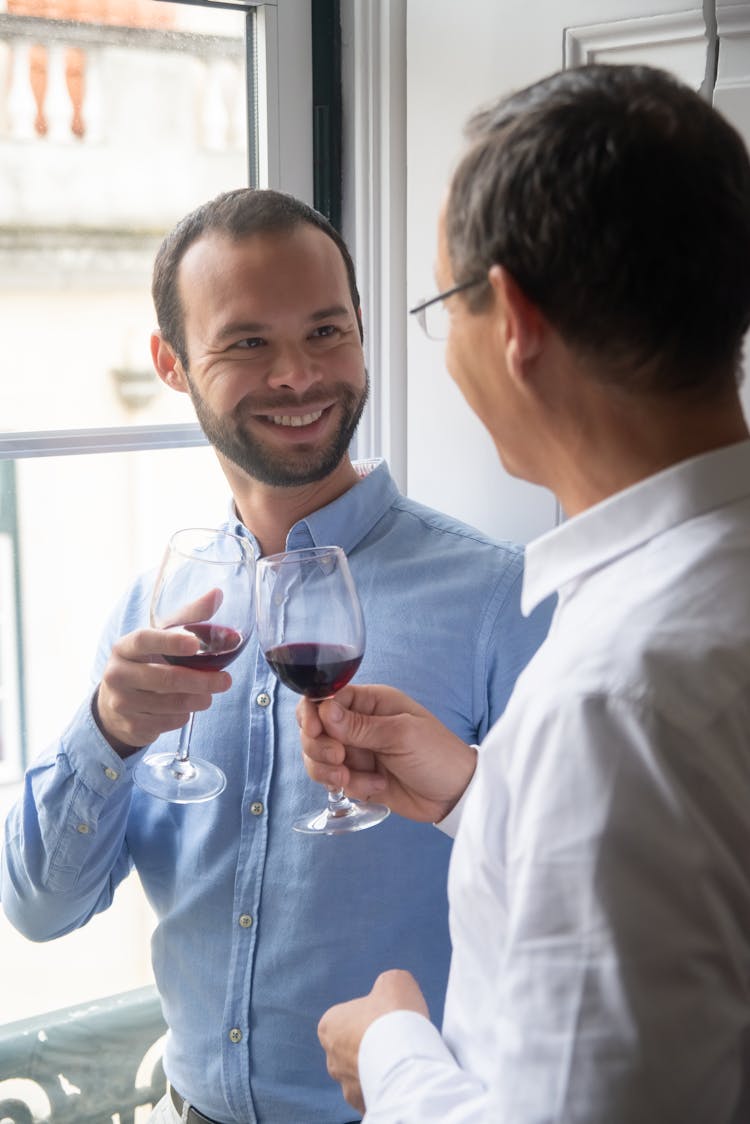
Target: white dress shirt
{"points": [[600, 879]]}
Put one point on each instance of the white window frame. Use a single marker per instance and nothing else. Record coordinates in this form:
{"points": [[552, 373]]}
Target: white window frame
{"points": [[285, 162], [10, 719], [283, 49], [373, 67]]}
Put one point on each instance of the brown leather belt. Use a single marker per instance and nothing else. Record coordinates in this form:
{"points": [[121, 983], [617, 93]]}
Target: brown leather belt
{"points": [[193, 1116]]}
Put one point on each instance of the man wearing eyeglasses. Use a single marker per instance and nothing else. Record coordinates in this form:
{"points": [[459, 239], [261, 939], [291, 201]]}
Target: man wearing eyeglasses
{"points": [[593, 257]]}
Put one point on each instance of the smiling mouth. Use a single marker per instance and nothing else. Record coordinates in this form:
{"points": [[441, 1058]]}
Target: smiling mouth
{"points": [[295, 420]]}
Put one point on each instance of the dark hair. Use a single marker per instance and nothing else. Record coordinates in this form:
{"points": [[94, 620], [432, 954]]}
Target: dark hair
{"points": [[619, 201], [239, 214]]}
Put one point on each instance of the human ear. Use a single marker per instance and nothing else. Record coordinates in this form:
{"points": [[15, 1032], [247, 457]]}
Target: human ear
{"points": [[522, 324], [166, 364]]}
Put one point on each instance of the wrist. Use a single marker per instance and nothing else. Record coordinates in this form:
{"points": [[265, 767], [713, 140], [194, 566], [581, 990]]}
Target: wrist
{"points": [[451, 816], [122, 749]]}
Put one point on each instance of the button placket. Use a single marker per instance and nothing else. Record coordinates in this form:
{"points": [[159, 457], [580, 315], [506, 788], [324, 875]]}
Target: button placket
{"points": [[250, 866]]}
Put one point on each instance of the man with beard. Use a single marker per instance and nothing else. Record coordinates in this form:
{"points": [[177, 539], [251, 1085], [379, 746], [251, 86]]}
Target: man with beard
{"points": [[259, 928]]}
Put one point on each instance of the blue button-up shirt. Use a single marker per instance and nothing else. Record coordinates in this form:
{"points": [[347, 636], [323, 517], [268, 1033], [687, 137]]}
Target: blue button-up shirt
{"points": [[260, 929]]}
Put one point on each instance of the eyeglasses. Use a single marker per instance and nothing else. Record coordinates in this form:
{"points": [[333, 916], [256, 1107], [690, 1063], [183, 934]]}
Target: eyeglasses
{"points": [[432, 315]]}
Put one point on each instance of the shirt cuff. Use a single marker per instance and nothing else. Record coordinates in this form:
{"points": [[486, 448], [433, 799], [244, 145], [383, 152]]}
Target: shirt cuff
{"points": [[91, 756], [389, 1041], [449, 824]]}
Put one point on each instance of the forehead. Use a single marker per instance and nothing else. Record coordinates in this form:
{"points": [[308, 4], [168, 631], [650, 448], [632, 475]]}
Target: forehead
{"points": [[278, 269]]}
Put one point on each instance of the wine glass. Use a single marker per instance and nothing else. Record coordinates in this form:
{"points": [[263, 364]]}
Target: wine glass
{"points": [[312, 633], [204, 587]]}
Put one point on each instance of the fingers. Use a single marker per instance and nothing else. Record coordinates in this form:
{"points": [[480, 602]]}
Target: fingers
{"points": [[332, 776], [364, 730], [340, 1034], [364, 785], [377, 699], [148, 644], [323, 756], [201, 609], [342, 1027], [330, 763], [397, 990], [141, 696], [308, 718]]}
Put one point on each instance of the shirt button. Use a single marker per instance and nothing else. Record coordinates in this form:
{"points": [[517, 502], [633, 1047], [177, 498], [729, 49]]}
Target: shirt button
{"points": [[246, 920], [235, 1034], [83, 829], [111, 774], [263, 699], [256, 808]]}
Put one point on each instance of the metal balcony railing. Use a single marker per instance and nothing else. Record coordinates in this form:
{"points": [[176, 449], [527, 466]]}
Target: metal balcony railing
{"points": [[91, 1064]]}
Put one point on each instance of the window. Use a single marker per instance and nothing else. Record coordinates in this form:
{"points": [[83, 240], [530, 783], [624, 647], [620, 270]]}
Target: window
{"points": [[11, 750], [120, 116]]}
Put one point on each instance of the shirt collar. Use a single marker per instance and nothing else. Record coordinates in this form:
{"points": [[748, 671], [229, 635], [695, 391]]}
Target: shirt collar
{"points": [[632, 517], [346, 520]]}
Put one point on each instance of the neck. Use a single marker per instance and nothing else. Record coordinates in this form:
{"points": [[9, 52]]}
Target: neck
{"points": [[592, 440], [629, 446], [270, 512]]}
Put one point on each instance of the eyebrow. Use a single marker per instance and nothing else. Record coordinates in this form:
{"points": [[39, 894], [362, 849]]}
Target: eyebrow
{"points": [[250, 327], [328, 313]]}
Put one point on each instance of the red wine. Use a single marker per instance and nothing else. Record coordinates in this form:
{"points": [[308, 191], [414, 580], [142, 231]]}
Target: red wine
{"points": [[219, 646], [315, 670]]}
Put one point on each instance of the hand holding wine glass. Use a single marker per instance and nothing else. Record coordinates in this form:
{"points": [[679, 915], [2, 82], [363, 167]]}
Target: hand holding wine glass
{"points": [[381, 743], [312, 633], [204, 588]]}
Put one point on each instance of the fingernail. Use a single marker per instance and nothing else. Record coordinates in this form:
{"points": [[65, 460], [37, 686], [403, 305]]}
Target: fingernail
{"points": [[335, 713]]}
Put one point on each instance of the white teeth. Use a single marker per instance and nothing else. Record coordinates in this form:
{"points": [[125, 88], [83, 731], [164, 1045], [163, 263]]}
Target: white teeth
{"points": [[295, 420]]}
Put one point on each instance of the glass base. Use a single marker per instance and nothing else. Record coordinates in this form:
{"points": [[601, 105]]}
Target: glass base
{"points": [[180, 782], [349, 816]]}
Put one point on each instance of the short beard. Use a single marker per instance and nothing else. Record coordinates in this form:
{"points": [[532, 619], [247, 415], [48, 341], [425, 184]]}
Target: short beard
{"points": [[268, 467]]}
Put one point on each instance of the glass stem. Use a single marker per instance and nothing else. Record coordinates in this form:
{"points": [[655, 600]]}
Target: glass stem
{"points": [[183, 748], [339, 803]]}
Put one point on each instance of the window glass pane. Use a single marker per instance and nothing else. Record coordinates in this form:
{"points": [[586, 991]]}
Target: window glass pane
{"points": [[71, 512], [116, 118], [10, 691]]}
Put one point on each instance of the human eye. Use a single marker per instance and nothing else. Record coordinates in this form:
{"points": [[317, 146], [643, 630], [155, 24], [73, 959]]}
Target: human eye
{"points": [[249, 343], [325, 332]]}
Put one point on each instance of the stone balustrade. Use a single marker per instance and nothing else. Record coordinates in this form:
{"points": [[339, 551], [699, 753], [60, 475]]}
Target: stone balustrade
{"points": [[53, 81], [117, 129]]}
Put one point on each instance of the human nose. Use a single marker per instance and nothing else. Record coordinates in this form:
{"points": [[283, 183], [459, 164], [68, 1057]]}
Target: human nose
{"points": [[293, 368]]}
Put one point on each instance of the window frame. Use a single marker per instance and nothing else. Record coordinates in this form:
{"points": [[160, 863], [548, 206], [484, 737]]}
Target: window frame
{"points": [[278, 41], [12, 740]]}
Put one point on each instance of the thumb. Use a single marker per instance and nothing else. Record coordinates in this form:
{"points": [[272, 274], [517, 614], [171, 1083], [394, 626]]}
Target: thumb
{"points": [[362, 731]]}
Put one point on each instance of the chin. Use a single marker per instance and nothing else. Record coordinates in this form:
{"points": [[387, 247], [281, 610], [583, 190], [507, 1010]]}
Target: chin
{"points": [[515, 466]]}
